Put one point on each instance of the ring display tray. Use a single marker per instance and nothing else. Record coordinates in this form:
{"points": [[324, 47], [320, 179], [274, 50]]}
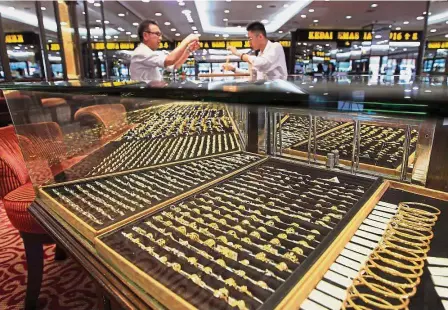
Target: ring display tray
{"points": [[242, 243], [98, 204], [333, 276], [381, 147]]}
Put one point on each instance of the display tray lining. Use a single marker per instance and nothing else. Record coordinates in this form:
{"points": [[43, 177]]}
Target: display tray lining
{"points": [[290, 284], [322, 265], [89, 232]]}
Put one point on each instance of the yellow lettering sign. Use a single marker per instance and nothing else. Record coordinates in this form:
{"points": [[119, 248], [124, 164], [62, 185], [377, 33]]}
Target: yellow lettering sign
{"points": [[415, 36], [285, 43], [320, 35], [218, 44], [348, 35], [237, 44], [14, 38], [367, 36], [437, 45]]}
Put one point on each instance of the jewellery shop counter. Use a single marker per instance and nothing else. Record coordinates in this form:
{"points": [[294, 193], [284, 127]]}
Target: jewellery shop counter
{"points": [[162, 200]]}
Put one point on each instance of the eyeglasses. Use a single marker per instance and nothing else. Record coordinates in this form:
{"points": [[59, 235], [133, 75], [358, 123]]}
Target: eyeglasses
{"points": [[158, 33]]}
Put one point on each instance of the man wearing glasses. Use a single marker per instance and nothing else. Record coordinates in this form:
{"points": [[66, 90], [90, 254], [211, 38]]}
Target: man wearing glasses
{"points": [[145, 61], [270, 62]]}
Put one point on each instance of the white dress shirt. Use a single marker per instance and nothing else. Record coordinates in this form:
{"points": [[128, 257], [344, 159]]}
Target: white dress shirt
{"points": [[145, 64], [271, 63]]}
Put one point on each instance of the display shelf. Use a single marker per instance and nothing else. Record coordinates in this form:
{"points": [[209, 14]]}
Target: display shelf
{"points": [[243, 242], [295, 129], [124, 155], [329, 285], [380, 146], [97, 204]]}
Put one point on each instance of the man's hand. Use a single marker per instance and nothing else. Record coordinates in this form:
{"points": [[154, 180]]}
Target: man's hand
{"points": [[191, 38], [193, 46], [234, 51], [228, 67]]}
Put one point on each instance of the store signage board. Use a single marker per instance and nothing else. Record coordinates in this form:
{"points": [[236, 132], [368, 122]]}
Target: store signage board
{"points": [[437, 45], [99, 46], [354, 35], [22, 38]]}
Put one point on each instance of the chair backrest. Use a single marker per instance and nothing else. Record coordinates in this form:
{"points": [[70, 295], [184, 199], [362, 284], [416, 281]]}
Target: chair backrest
{"points": [[13, 172]]}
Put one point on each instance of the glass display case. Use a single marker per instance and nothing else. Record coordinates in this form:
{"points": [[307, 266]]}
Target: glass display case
{"points": [[240, 195]]}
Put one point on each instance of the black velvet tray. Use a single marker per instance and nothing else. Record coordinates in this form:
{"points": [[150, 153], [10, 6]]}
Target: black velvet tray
{"points": [[426, 296], [201, 298], [367, 155], [125, 187]]}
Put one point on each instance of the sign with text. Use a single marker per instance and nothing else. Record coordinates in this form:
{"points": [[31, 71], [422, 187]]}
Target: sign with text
{"points": [[437, 45], [354, 35], [99, 46], [22, 38]]}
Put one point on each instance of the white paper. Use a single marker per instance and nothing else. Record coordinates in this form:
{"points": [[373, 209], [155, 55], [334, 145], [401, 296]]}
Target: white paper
{"points": [[325, 300], [378, 219], [337, 278], [343, 270], [311, 305], [440, 281], [371, 229], [382, 214], [353, 255], [368, 236], [386, 204], [445, 304], [442, 291], [359, 249], [332, 290], [385, 209], [349, 263], [376, 224], [438, 261], [438, 271]]}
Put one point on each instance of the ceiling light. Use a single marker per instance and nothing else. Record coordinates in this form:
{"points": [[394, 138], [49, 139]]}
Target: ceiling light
{"points": [[298, 43], [96, 37], [398, 28], [327, 44], [98, 20], [49, 41], [303, 16], [134, 24], [311, 10], [120, 29], [83, 13], [265, 21], [97, 27], [194, 28], [226, 11], [115, 37], [84, 37], [405, 22], [177, 34], [280, 31], [316, 21], [259, 6], [285, 5], [424, 13], [373, 5], [305, 43], [225, 20], [97, 4], [348, 17], [405, 49], [108, 37], [43, 8], [167, 23], [433, 30], [106, 22], [239, 26], [91, 1], [128, 32], [228, 0], [446, 36], [217, 35], [158, 14], [121, 14], [378, 36], [173, 29], [225, 35], [390, 26], [146, 1], [420, 17], [196, 32], [181, 3], [133, 36]]}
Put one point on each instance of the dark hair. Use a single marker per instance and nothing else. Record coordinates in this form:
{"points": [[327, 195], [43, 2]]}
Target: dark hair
{"points": [[256, 27], [144, 27]]}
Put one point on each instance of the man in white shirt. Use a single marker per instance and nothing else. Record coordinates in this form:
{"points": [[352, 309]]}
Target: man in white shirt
{"points": [[146, 61], [270, 63]]}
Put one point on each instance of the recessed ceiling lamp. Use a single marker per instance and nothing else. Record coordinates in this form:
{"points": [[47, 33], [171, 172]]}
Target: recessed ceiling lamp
{"points": [[43, 8], [446, 36], [420, 17], [115, 37], [217, 35], [405, 22], [225, 35], [227, 11], [133, 36], [281, 31], [265, 21], [398, 28], [97, 4], [128, 32], [167, 23], [120, 29], [98, 20], [311, 10], [49, 41], [303, 16], [181, 3], [121, 14], [158, 14], [177, 34], [173, 29], [194, 28], [106, 22], [108, 37], [146, 1], [373, 5], [259, 6], [195, 32], [316, 21], [348, 17], [433, 30], [134, 24]]}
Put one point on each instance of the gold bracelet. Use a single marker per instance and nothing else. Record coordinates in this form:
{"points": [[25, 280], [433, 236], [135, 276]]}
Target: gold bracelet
{"points": [[390, 291], [415, 265], [410, 285], [398, 253], [401, 221], [416, 249], [401, 231], [414, 220], [407, 206], [397, 223], [387, 269]]}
